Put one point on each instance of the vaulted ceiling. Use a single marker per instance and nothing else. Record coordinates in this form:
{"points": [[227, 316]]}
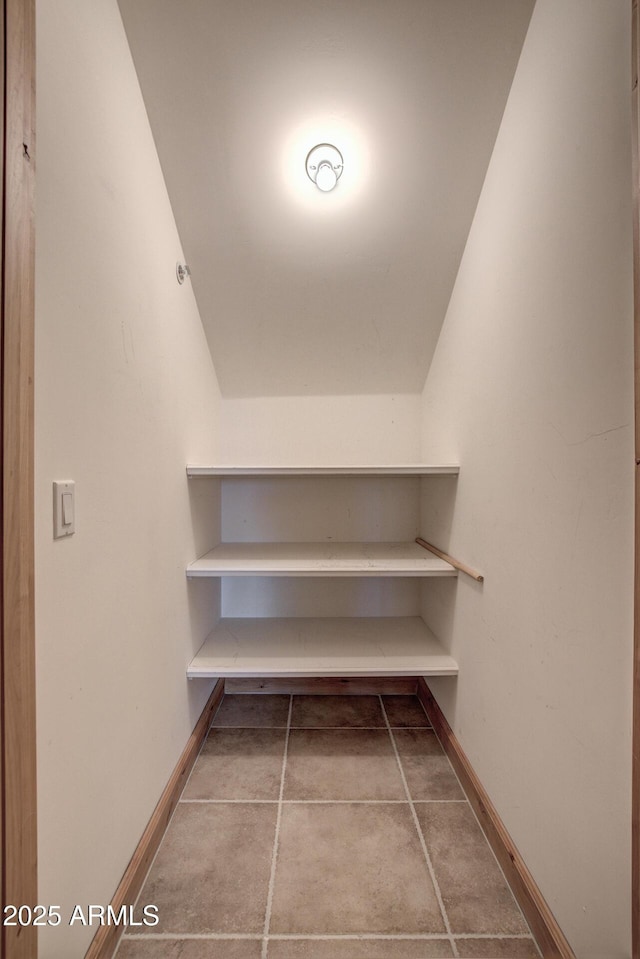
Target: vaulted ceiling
{"points": [[303, 292]]}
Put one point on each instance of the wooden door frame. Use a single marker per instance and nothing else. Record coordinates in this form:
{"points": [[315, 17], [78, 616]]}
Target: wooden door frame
{"points": [[635, 770], [17, 660]]}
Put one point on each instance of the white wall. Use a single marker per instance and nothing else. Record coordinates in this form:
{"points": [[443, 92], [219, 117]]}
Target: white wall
{"points": [[320, 509], [324, 430], [126, 395], [531, 388]]}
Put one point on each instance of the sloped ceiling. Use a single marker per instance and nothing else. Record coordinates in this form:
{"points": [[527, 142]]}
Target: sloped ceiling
{"points": [[302, 292]]}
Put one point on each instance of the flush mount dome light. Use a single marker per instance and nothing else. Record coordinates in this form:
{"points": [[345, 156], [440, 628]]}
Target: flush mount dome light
{"points": [[324, 166]]}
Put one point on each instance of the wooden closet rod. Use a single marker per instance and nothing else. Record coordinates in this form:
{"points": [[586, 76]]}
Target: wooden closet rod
{"points": [[479, 578]]}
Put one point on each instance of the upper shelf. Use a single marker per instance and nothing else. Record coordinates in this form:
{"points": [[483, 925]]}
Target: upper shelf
{"points": [[320, 559], [405, 469]]}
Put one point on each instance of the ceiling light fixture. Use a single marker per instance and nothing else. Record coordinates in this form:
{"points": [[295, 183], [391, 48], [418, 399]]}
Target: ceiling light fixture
{"points": [[324, 165]]}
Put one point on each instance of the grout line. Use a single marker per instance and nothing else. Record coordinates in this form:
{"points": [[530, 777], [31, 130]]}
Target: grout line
{"points": [[421, 838], [502, 873], [179, 936], [347, 937], [506, 881], [492, 935], [321, 802], [213, 728], [394, 937], [473, 812], [430, 728], [226, 802], [274, 856]]}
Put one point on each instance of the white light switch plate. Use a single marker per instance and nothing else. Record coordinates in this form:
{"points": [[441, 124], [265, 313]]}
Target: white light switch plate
{"points": [[64, 508]]}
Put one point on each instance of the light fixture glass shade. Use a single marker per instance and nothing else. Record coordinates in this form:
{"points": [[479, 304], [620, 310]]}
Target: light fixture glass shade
{"points": [[324, 165], [326, 178]]}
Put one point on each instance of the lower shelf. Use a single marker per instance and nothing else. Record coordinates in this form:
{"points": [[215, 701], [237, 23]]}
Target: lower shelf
{"points": [[356, 646]]}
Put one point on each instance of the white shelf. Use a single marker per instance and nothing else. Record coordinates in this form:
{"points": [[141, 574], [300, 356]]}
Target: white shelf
{"points": [[357, 646], [407, 469], [320, 559]]}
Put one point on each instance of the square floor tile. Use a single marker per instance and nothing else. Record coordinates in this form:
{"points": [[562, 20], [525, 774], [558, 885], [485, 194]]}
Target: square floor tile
{"points": [[351, 868], [212, 870], [359, 949], [238, 764], [426, 768], [405, 711], [342, 764], [475, 893], [246, 709], [190, 949], [336, 711], [497, 949]]}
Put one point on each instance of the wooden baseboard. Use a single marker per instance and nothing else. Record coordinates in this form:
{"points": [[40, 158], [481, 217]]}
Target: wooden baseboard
{"points": [[550, 938], [106, 939], [330, 686]]}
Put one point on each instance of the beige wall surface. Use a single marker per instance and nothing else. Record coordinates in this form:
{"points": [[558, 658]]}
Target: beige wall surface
{"points": [[531, 388], [320, 509], [324, 430], [126, 395]]}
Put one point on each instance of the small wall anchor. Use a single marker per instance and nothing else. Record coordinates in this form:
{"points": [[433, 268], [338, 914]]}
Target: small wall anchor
{"points": [[182, 272]]}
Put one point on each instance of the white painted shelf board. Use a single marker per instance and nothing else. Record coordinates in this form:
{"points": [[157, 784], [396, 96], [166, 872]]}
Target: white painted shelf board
{"points": [[355, 646], [320, 559], [406, 469]]}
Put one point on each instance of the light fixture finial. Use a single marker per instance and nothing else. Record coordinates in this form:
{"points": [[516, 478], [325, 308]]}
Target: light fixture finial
{"points": [[324, 165]]}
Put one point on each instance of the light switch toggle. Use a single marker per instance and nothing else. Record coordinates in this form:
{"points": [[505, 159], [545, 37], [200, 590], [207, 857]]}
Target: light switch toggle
{"points": [[64, 520], [67, 509]]}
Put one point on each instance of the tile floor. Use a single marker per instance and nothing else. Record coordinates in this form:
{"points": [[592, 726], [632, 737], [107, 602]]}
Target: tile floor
{"points": [[326, 827]]}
